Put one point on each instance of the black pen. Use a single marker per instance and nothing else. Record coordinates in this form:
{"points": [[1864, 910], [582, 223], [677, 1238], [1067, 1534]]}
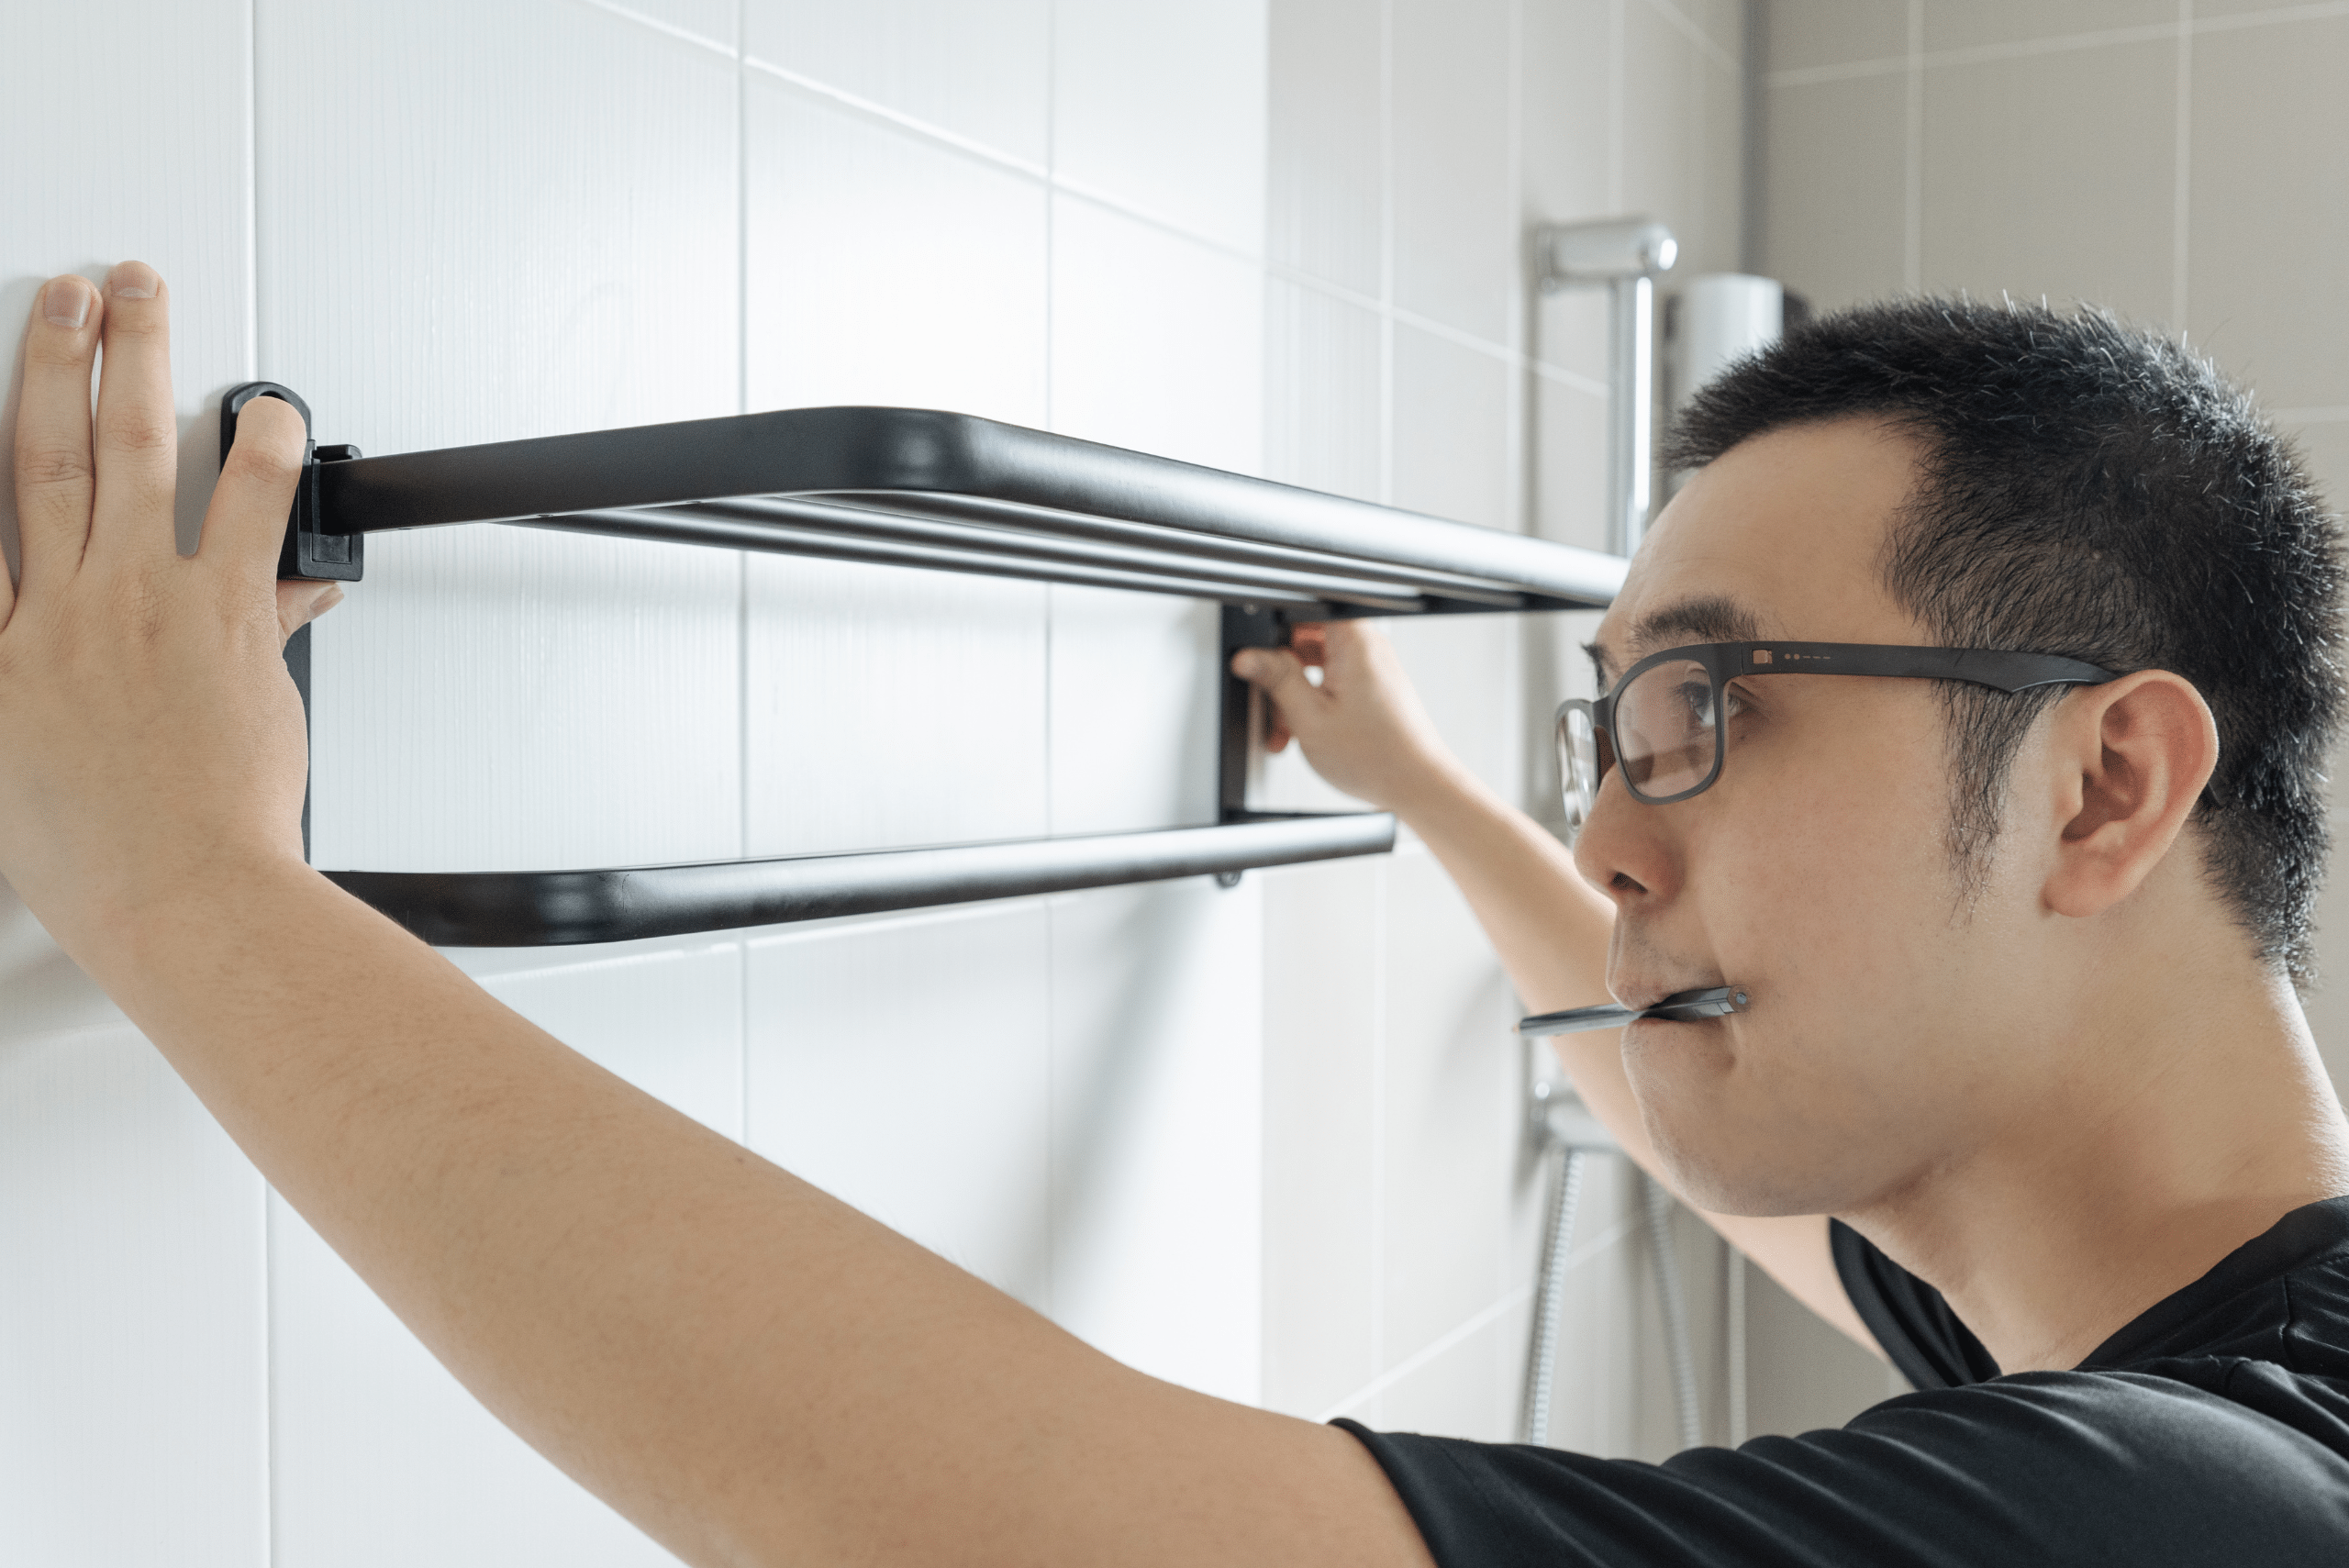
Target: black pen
{"points": [[1681, 1006]]}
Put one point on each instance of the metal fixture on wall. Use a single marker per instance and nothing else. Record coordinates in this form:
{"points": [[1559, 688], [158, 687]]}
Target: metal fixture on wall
{"points": [[1626, 255], [1564, 1135], [946, 492]]}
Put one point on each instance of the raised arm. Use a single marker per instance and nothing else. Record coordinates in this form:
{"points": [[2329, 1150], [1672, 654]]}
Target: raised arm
{"points": [[751, 1370], [1363, 730]]}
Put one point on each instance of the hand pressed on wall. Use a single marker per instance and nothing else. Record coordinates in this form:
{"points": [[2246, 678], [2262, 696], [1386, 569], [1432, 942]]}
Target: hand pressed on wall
{"points": [[146, 718]]}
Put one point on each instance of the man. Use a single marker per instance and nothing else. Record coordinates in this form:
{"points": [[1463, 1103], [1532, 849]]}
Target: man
{"points": [[2021, 1012]]}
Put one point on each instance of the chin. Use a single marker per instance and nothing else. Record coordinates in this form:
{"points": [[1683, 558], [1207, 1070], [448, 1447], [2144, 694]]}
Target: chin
{"points": [[1743, 1173]]}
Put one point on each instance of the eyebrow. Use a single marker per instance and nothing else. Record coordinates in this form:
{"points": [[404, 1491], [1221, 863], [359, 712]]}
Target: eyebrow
{"points": [[1713, 617]]}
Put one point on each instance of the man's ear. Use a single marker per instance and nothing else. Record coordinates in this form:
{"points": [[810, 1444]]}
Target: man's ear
{"points": [[2129, 759]]}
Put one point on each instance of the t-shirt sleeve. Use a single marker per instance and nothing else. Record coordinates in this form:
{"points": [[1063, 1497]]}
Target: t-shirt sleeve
{"points": [[1908, 1317], [2046, 1467]]}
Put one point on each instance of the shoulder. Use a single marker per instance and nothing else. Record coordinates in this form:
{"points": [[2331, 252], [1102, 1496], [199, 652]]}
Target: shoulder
{"points": [[2049, 1467]]}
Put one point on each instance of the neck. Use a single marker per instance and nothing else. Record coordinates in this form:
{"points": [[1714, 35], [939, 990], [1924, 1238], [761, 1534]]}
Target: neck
{"points": [[2176, 1130]]}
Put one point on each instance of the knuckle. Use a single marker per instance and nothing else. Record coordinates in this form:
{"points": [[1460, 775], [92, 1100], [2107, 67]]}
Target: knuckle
{"points": [[59, 350], [141, 434], [53, 468], [261, 462]]}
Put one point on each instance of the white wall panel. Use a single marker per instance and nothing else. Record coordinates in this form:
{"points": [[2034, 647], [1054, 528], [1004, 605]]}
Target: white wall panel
{"points": [[1155, 340], [1455, 241], [1322, 1013], [887, 707], [1450, 1106], [380, 1456], [1136, 690], [903, 1066], [546, 243], [512, 698], [979, 69], [1157, 1094], [133, 1426], [1326, 158], [1161, 108], [885, 268], [382, 1460]]}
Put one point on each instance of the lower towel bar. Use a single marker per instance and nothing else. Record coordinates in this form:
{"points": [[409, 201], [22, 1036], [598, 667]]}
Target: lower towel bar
{"points": [[553, 908]]}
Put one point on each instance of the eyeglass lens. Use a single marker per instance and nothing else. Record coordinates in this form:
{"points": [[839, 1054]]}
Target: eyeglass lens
{"points": [[1668, 729]]}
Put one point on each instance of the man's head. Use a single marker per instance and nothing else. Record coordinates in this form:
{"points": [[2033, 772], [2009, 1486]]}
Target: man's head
{"points": [[1923, 880]]}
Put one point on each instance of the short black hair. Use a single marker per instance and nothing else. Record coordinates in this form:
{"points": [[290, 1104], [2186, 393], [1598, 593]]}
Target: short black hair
{"points": [[2095, 490]]}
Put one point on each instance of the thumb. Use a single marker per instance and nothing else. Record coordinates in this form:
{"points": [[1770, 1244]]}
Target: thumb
{"points": [[300, 603], [1281, 674]]}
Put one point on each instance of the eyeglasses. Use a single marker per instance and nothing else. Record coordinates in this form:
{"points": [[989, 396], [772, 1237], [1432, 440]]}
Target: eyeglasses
{"points": [[1663, 722]]}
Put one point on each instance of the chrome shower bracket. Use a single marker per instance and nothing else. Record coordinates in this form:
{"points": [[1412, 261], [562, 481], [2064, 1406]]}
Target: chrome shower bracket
{"points": [[1626, 255]]}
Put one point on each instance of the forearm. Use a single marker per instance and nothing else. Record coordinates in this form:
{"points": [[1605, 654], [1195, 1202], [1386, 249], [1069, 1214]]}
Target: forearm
{"points": [[749, 1369]]}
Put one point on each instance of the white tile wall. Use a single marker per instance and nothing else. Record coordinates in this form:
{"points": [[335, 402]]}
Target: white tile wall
{"points": [[133, 1424], [974, 69], [1261, 1140], [1161, 109], [926, 1041], [1156, 1118], [133, 1365]]}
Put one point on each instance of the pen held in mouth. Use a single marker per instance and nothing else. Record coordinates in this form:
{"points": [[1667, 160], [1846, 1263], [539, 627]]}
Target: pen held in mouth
{"points": [[1681, 1006]]}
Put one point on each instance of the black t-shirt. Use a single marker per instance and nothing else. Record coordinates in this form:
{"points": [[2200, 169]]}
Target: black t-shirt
{"points": [[2214, 1429]]}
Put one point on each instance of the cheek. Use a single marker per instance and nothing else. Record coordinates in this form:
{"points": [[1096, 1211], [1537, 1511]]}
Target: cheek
{"points": [[1837, 910]]}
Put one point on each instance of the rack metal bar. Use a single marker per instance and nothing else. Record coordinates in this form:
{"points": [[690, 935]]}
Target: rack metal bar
{"points": [[1211, 579], [922, 488], [675, 526], [553, 908], [1013, 517], [816, 451]]}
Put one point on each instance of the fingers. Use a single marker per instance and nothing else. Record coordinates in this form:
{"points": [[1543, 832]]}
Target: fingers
{"points": [[244, 527], [1282, 676], [55, 476], [299, 604], [136, 438]]}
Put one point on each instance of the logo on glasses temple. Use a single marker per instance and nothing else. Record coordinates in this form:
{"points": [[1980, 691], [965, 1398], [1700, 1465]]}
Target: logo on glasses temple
{"points": [[1764, 656]]}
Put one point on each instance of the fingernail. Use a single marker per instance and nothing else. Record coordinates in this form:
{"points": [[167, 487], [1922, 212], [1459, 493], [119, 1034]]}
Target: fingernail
{"points": [[65, 303], [133, 280], [329, 597]]}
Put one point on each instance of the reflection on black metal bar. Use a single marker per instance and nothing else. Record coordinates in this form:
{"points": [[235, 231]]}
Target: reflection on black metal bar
{"points": [[677, 527], [923, 462], [1334, 579], [551, 908]]}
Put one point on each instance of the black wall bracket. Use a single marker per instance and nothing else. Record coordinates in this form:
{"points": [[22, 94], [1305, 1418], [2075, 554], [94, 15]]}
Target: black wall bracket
{"points": [[310, 552]]}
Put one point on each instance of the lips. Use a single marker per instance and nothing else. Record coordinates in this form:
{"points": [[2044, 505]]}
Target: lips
{"points": [[1641, 995]]}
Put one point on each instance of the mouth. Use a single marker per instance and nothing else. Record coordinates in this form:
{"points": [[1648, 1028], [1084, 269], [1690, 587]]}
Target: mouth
{"points": [[1640, 996]]}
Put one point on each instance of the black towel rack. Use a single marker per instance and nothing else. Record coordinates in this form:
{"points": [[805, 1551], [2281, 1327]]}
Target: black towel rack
{"points": [[946, 492]]}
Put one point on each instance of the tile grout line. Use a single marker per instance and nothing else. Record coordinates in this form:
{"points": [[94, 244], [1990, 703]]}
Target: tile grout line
{"points": [[1057, 185], [1386, 252], [1705, 42], [742, 557], [1912, 212], [1615, 108], [1484, 1317], [2023, 48], [2182, 176]]}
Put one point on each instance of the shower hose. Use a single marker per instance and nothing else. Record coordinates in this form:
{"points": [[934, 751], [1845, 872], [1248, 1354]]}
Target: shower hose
{"points": [[1549, 1300]]}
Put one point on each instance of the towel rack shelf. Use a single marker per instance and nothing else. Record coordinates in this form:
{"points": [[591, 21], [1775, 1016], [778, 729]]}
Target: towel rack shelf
{"points": [[939, 491]]}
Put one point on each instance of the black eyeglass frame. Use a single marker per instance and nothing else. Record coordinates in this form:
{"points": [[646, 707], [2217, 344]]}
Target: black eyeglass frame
{"points": [[1727, 661]]}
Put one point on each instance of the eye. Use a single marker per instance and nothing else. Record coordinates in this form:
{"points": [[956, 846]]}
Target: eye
{"points": [[1697, 701]]}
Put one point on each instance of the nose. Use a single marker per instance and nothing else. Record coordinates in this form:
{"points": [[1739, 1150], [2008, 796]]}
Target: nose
{"points": [[1625, 848]]}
